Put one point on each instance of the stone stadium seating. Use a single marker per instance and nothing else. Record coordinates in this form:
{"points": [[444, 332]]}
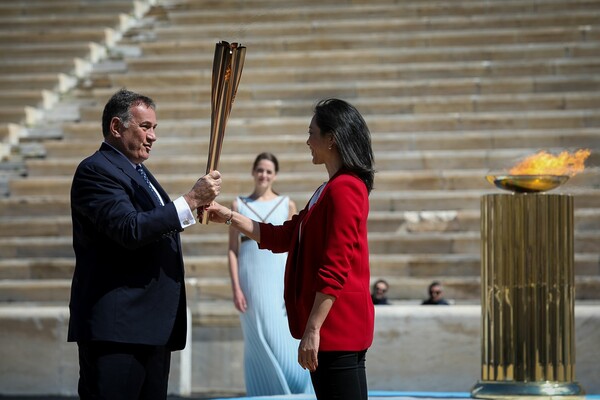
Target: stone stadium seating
{"points": [[450, 90]]}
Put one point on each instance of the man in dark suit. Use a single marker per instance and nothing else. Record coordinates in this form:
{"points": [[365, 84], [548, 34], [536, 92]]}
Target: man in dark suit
{"points": [[128, 305]]}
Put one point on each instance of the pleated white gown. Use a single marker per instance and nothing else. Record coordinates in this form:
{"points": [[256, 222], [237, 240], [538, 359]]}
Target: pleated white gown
{"points": [[270, 352]]}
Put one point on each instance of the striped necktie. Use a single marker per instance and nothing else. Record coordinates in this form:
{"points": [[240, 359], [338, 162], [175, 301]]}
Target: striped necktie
{"points": [[143, 174]]}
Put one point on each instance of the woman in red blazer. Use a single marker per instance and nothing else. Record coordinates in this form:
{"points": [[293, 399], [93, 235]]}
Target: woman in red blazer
{"points": [[327, 277]]}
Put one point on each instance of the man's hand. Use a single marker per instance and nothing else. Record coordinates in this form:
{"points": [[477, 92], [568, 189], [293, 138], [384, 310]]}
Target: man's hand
{"points": [[205, 190]]}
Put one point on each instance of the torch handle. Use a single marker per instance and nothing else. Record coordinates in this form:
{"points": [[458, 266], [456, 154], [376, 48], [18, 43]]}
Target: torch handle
{"points": [[227, 70]]}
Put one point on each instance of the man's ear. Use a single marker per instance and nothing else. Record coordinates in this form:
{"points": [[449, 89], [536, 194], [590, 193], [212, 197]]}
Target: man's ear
{"points": [[115, 127]]}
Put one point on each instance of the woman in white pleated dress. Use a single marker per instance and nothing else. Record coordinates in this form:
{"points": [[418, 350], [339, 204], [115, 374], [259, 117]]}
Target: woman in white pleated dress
{"points": [[270, 352]]}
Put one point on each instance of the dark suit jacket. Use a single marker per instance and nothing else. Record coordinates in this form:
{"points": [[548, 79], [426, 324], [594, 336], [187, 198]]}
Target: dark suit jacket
{"points": [[330, 255], [128, 285]]}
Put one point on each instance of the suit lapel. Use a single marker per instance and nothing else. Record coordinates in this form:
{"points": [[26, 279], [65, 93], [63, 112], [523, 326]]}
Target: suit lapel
{"points": [[125, 166]]}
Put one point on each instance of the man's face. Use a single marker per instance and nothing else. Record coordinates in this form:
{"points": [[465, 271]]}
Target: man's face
{"points": [[436, 292], [135, 140], [380, 289]]}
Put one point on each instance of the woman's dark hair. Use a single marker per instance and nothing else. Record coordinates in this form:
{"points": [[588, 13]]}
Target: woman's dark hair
{"points": [[120, 105], [351, 136], [266, 156]]}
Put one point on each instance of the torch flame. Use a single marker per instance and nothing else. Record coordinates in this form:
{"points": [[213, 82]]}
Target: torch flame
{"points": [[544, 163]]}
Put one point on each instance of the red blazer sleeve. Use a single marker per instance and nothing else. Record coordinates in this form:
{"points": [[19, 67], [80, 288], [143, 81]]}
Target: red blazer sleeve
{"points": [[278, 238]]}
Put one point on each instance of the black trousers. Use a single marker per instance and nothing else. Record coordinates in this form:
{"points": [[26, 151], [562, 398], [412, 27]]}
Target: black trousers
{"points": [[340, 375], [116, 371]]}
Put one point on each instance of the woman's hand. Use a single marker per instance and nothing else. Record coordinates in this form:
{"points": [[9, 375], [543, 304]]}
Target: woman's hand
{"points": [[309, 344], [308, 350], [217, 212], [243, 224], [239, 301]]}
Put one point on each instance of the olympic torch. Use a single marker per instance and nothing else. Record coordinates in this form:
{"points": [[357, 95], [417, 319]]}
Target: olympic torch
{"points": [[227, 72]]}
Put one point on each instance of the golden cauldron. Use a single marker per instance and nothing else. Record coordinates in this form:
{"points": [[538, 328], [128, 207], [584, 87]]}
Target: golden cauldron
{"points": [[527, 183]]}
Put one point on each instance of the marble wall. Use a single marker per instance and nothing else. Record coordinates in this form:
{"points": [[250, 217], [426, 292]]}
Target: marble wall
{"points": [[416, 348]]}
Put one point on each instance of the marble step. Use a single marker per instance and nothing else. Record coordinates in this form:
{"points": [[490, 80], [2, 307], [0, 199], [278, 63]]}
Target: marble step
{"points": [[465, 288], [493, 160], [57, 225], [21, 98], [198, 90], [34, 51], [411, 8], [359, 89], [295, 34], [60, 20], [216, 266], [352, 73], [34, 206], [32, 268], [28, 81], [10, 114], [396, 265], [435, 221], [365, 16], [58, 290], [63, 36], [304, 7], [354, 32], [63, 7], [467, 179], [387, 105], [356, 40], [573, 128], [5, 129], [578, 18], [40, 65], [415, 151], [195, 243], [391, 201], [382, 266], [183, 58]]}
